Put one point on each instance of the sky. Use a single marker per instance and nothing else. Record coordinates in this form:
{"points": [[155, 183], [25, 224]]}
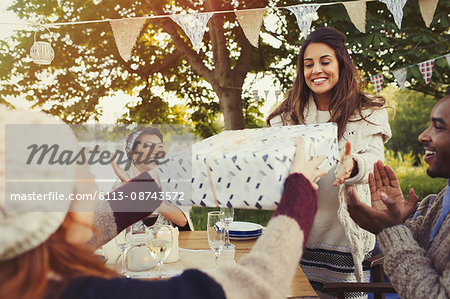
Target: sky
{"points": [[7, 17], [113, 107]]}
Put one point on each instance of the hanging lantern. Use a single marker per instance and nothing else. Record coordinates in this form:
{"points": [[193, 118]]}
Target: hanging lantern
{"points": [[41, 52]]}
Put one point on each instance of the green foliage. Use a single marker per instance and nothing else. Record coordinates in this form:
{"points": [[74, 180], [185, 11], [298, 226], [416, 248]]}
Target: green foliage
{"points": [[153, 110], [205, 119], [411, 176], [87, 65], [409, 117], [252, 113], [199, 216]]}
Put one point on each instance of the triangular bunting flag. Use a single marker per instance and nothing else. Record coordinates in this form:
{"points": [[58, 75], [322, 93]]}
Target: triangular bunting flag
{"points": [[255, 95], [304, 15], [250, 21], [126, 33], [377, 80], [357, 12], [426, 69], [277, 94], [400, 76], [194, 25], [427, 9], [396, 9], [448, 58], [266, 92]]}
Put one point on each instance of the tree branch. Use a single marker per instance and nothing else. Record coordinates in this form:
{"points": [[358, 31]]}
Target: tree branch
{"points": [[218, 40], [278, 37], [188, 4], [245, 59], [191, 56], [168, 60]]}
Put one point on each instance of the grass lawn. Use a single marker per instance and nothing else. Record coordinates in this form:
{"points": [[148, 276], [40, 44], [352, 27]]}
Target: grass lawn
{"points": [[199, 216]]}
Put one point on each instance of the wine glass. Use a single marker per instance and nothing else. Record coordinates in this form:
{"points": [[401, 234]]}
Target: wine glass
{"points": [[215, 229], [159, 244], [122, 242], [228, 219]]}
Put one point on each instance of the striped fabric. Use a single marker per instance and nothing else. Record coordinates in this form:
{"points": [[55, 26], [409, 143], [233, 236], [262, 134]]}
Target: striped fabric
{"points": [[322, 265]]}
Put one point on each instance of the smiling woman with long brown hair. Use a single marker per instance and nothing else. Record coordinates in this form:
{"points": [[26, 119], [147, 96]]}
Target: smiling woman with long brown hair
{"points": [[328, 88]]}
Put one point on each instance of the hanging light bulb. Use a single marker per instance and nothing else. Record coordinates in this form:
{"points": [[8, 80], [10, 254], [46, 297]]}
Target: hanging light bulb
{"points": [[42, 52]]}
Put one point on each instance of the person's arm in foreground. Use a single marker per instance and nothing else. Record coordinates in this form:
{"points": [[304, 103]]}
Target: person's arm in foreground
{"points": [[172, 213], [115, 215], [407, 265], [267, 271]]}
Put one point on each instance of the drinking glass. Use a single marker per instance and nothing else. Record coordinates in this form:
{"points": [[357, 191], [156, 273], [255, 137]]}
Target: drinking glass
{"points": [[122, 242], [228, 219], [159, 244], [215, 229]]}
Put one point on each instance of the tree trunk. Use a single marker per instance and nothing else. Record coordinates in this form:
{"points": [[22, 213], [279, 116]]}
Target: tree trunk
{"points": [[231, 105], [226, 80]]}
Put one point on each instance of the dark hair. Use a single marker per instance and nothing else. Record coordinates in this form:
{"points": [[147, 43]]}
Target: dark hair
{"points": [[348, 97], [147, 131], [134, 136]]}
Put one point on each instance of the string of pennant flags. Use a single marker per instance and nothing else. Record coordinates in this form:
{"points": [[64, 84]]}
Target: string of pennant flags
{"points": [[425, 68], [126, 30], [255, 94]]}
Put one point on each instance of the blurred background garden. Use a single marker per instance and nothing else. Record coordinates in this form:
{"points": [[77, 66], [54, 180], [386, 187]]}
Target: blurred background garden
{"points": [[228, 83]]}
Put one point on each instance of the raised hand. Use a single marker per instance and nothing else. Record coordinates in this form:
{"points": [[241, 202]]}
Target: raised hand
{"points": [[389, 207], [310, 169], [383, 184], [346, 165], [120, 172]]}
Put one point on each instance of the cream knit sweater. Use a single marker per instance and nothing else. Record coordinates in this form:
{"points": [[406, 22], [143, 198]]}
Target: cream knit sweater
{"points": [[367, 140], [415, 270]]}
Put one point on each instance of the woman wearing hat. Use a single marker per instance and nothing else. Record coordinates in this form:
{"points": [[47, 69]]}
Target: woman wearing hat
{"points": [[143, 146]]}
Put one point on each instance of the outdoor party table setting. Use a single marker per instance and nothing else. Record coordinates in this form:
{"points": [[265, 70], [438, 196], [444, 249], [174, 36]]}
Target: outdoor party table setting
{"points": [[143, 248], [192, 249], [234, 169]]}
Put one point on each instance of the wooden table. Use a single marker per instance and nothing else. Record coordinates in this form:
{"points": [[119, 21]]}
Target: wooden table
{"points": [[300, 287]]}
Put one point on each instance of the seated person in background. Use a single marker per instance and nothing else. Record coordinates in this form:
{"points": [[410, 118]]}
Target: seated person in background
{"points": [[47, 256], [142, 147], [417, 252]]}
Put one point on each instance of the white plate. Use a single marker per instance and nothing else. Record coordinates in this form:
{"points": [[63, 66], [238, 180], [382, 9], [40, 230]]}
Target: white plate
{"points": [[154, 274], [239, 227], [244, 238]]}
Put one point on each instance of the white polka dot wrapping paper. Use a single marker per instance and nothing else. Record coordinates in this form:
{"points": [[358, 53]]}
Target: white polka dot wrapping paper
{"points": [[245, 168]]}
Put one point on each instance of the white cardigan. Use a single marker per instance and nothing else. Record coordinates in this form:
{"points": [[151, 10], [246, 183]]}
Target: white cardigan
{"points": [[367, 140]]}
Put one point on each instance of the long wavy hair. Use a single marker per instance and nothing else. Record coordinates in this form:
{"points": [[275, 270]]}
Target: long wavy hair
{"points": [[348, 98], [26, 276]]}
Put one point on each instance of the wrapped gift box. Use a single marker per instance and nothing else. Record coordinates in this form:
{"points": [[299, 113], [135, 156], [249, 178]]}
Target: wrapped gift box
{"points": [[245, 168]]}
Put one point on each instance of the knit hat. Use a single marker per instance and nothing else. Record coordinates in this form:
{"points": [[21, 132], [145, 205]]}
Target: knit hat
{"points": [[26, 224]]}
